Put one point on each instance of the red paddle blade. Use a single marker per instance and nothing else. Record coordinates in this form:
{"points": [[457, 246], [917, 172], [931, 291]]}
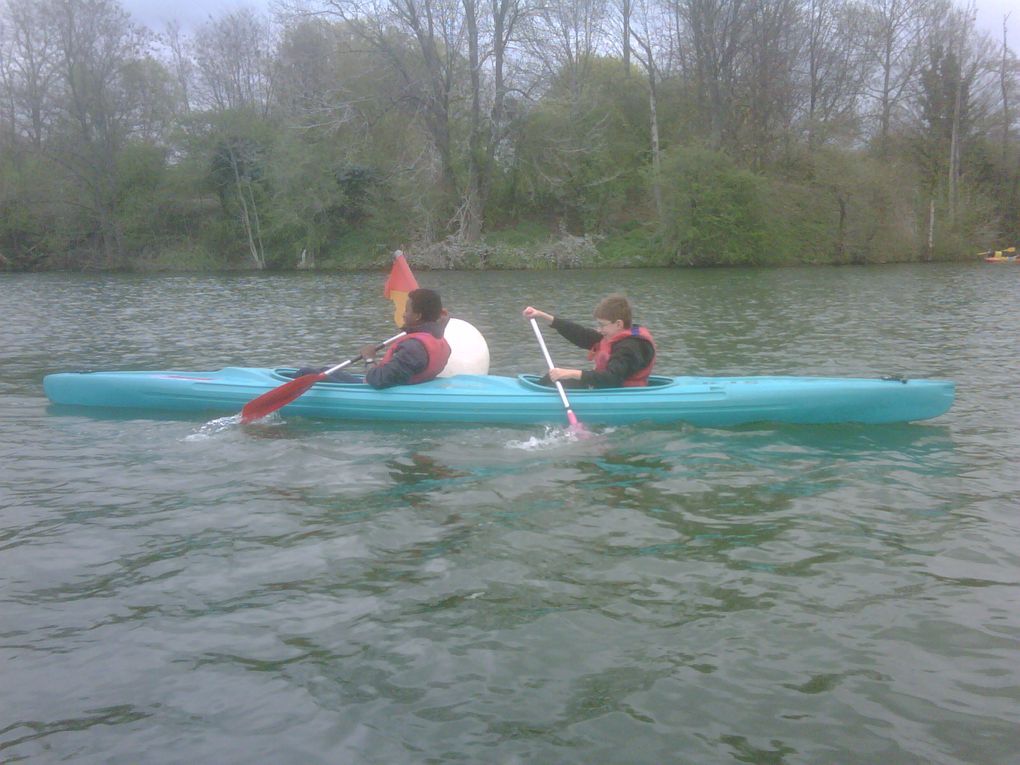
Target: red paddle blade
{"points": [[278, 398]]}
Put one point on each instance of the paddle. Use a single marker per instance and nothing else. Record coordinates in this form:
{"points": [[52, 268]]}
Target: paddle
{"points": [[279, 397], [575, 426]]}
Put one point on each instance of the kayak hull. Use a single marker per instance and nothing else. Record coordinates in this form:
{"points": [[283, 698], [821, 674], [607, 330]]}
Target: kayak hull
{"points": [[491, 399]]}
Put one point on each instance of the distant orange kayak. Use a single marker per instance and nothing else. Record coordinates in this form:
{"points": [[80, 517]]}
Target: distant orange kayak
{"points": [[1007, 255]]}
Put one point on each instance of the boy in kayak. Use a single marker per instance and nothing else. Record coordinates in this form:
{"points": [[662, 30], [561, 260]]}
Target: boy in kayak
{"points": [[623, 352], [415, 358], [420, 355]]}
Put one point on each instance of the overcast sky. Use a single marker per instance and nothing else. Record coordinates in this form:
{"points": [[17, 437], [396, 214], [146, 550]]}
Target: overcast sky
{"points": [[155, 13]]}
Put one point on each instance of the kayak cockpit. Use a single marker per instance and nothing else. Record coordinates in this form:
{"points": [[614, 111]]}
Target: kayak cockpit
{"points": [[654, 381], [527, 381]]}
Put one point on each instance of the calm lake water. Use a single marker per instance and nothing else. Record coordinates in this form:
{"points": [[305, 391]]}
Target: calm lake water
{"points": [[309, 592]]}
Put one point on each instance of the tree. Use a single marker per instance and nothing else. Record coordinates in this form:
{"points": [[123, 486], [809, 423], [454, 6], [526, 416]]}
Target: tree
{"points": [[420, 41], [564, 37], [717, 30], [952, 102], [102, 93], [648, 20], [581, 161], [834, 62], [487, 131], [233, 57], [895, 52], [29, 69], [767, 85], [239, 148]]}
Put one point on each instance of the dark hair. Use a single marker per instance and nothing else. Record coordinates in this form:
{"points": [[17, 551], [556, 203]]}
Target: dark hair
{"points": [[426, 303], [614, 307]]}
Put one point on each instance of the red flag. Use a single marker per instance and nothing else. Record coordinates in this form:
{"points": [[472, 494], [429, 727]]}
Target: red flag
{"points": [[398, 284]]}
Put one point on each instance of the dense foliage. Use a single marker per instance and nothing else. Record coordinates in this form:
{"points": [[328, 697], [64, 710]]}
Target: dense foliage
{"points": [[506, 134]]}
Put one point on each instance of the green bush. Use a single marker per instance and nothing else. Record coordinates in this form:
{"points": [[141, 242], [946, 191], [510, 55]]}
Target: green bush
{"points": [[713, 212], [632, 246]]}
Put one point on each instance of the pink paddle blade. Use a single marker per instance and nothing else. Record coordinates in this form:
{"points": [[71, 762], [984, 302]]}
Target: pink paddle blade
{"points": [[278, 397], [575, 425]]}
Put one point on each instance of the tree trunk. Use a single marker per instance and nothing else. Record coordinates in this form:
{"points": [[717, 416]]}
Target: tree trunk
{"points": [[625, 10], [250, 228], [1004, 85], [472, 205], [656, 156], [841, 230], [930, 250]]}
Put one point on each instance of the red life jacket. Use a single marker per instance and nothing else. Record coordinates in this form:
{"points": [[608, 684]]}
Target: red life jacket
{"points": [[603, 349], [437, 349]]}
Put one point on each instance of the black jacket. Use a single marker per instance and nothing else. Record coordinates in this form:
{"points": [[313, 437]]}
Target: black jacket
{"points": [[629, 356]]}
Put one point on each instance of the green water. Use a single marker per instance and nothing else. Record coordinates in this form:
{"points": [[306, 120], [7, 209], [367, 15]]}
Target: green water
{"points": [[313, 592]]}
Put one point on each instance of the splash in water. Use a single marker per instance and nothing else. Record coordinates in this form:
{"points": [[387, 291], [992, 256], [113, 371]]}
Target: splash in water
{"points": [[213, 427], [553, 438], [220, 425]]}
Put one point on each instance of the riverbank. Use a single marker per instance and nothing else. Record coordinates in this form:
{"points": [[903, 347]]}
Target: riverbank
{"points": [[521, 248]]}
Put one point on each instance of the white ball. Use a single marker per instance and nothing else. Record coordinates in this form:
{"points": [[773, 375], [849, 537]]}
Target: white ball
{"points": [[469, 353]]}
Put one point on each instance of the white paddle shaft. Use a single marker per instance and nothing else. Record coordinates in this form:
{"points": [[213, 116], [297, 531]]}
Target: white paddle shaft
{"points": [[549, 361], [379, 347]]}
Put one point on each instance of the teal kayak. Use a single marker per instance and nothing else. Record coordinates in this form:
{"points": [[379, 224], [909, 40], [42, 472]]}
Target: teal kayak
{"points": [[704, 401]]}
